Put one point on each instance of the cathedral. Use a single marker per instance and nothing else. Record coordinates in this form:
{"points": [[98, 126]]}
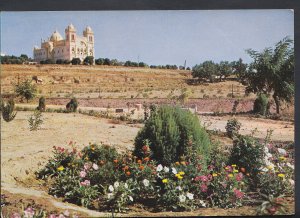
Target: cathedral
{"points": [[73, 46]]}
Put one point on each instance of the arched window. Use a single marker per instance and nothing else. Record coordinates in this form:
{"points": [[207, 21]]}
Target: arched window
{"points": [[73, 37]]}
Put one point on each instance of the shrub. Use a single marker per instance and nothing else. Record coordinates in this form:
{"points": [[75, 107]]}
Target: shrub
{"points": [[42, 104], [76, 61], [261, 105], [35, 120], [248, 153], [89, 60], [26, 90], [72, 105], [169, 131], [8, 110], [232, 127]]}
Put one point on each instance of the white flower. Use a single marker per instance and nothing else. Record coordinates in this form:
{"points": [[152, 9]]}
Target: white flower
{"points": [[95, 166], [263, 169], [290, 165], [111, 188], [202, 203], [266, 150], [190, 196], [292, 182], [174, 171], [110, 195], [268, 155], [282, 151], [130, 198], [166, 169], [125, 185], [67, 213], [182, 198], [178, 188], [146, 182], [116, 184], [159, 168]]}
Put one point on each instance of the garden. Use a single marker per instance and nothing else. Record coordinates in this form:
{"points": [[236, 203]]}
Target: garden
{"points": [[175, 166]]}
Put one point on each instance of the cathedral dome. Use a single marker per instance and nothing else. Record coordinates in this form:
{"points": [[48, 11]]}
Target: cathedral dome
{"points": [[56, 36], [88, 29], [71, 28]]}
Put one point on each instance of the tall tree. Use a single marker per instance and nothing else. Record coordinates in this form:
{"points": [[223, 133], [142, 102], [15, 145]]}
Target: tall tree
{"points": [[239, 69], [225, 69], [272, 72]]}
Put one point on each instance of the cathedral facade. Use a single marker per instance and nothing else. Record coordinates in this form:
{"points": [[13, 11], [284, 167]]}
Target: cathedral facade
{"points": [[73, 46]]}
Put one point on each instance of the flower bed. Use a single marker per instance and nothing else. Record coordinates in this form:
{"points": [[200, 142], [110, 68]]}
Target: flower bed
{"points": [[98, 177]]}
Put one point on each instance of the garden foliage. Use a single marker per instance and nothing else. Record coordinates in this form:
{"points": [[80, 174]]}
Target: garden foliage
{"points": [[169, 131], [7, 109]]}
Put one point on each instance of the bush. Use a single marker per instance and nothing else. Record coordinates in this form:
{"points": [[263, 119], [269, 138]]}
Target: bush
{"points": [[35, 120], [42, 104], [169, 131], [261, 105], [8, 110], [26, 90], [248, 153], [76, 61], [89, 60], [232, 127], [72, 105]]}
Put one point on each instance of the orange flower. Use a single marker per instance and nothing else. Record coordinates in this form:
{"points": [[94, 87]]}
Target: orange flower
{"points": [[141, 167], [183, 163], [248, 174], [101, 162], [126, 167], [139, 161], [115, 161], [243, 170], [146, 159], [177, 163], [128, 173]]}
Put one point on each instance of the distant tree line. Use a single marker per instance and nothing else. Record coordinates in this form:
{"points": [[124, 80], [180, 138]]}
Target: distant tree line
{"points": [[7, 59], [211, 71]]}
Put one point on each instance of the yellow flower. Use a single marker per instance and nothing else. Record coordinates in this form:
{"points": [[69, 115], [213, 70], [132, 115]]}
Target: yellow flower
{"points": [[177, 163], [180, 177], [183, 163], [181, 173], [235, 171], [282, 158], [233, 165], [61, 168], [230, 175], [165, 180], [214, 174], [281, 175], [177, 174], [270, 167]]}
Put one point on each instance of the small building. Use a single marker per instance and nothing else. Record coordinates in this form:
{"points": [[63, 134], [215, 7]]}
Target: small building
{"points": [[72, 46]]}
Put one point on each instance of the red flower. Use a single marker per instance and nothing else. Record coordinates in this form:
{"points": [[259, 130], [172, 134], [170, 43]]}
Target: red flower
{"points": [[145, 148], [239, 176], [203, 188], [238, 194]]}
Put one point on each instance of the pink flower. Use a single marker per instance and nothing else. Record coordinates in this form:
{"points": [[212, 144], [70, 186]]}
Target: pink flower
{"points": [[228, 169], [210, 167], [15, 215], [238, 194], [29, 212], [87, 166], [224, 185], [85, 183], [82, 174], [52, 216], [239, 177], [95, 166], [61, 216], [203, 178], [203, 188], [209, 177]]}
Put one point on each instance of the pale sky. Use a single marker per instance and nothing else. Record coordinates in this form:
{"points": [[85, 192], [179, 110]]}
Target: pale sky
{"points": [[156, 37]]}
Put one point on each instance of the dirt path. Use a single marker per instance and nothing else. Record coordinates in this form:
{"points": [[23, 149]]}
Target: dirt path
{"points": [[282, 130]]}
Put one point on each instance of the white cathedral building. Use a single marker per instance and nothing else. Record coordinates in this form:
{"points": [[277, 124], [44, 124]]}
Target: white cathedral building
{"points": [[73, 46]]}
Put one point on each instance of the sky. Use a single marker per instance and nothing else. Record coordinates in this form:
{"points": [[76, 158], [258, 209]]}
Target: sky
{"points": [[155, 37]]}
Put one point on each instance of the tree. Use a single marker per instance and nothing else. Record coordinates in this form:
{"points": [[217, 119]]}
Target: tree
{"points": [[26, 90], [225, 69], [76, 61], [272, 72], [206, 70], [239, 69], [89, 60]]}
